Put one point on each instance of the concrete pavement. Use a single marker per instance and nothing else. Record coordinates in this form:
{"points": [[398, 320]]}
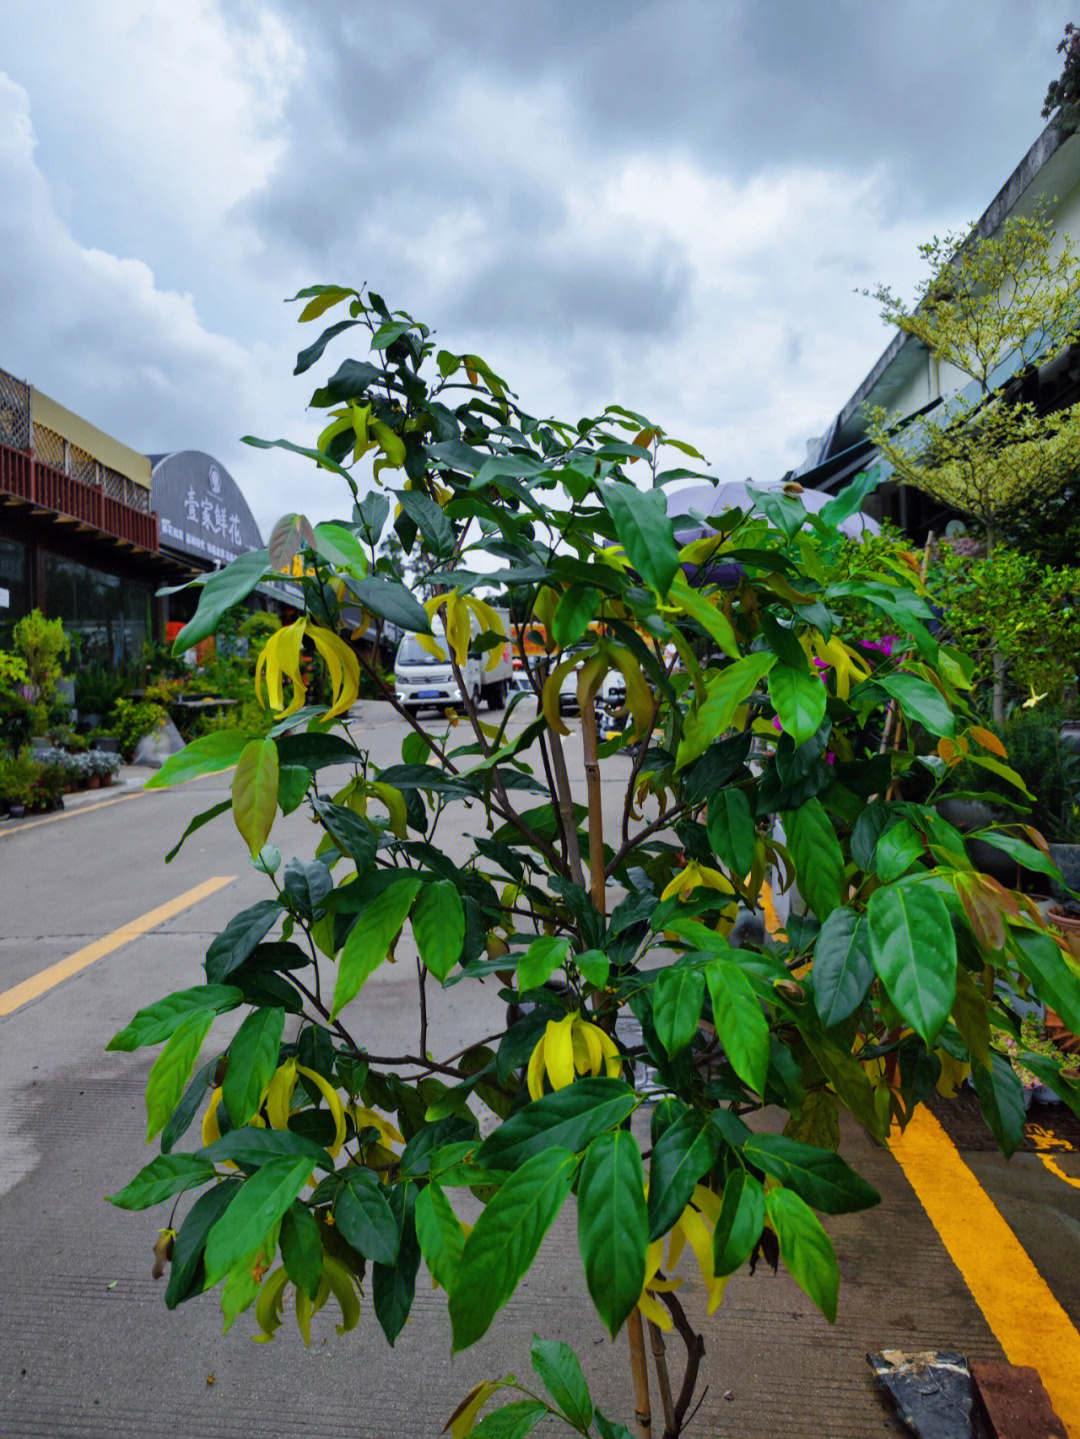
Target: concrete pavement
{"points": [[87, 1347]]}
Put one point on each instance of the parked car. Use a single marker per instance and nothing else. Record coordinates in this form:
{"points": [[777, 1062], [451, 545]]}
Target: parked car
{"points": [[421, 681]]}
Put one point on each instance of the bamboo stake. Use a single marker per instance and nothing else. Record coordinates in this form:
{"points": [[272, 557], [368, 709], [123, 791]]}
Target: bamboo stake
{"points": [[640, 1372], [671, 1429]]}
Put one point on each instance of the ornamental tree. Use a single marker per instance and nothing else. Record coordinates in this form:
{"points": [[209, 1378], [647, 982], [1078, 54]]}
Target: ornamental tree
{"points": [[990, 305], [752, 748]]}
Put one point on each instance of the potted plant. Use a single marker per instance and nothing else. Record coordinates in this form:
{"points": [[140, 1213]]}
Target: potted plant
{"points": [[874, 990]]}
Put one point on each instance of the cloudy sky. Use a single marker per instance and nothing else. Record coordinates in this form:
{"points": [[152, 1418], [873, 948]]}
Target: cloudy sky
{"points": [[668, 204]]}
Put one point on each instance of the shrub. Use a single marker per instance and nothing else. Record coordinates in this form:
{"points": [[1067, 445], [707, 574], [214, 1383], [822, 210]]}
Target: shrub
{"points": [[131, 719], [42, 644]]}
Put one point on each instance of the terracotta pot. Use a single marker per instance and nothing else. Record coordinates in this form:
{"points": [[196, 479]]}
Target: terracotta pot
{"points": [[95, 781], [1069, 923]]}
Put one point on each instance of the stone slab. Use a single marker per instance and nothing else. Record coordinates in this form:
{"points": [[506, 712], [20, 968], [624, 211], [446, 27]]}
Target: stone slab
{"points": [[1013, 1403]]}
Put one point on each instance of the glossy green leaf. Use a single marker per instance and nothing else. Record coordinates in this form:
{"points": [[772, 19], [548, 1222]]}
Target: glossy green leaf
{"points": [[540, 961], [898, 848], [511, 1421], [595, 966], [574, 613], [818, 1175], [223, 589], [711, 619], [209, 754], [682, 1154], [252, 1145], [742, 1218], [805, 1248], [186, 1274], [259, 1206], [342, 548], [677, 999], [726, 692], [843, 970], [438, 923], [371, 936], [430, 520], [1055, 982], [505, 1241], [294, 781], [352, 835], [1049, 1072], [913, 949], [393, 1286], [172, 1068], [301, 1248], [1026, 855], [730, 825], [155, 1023], [179, 1122], [920, 702], [391, 601], [613, 1225], [253, 1058], [441, 1237], [819, 860], [869, 827], [254, 792], [645, 532], [798, 697], [163, 1177], [238, 939], [1001, 1100], [362, 1212], [570, 1118], [558, 1369], [740, 1025]]}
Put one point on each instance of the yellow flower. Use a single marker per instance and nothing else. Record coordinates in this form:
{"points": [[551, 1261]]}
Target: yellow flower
{"points": [[280, 660], [279, 1094], [571, 1046], [458, 626], [695, 876], [694, 1227]]}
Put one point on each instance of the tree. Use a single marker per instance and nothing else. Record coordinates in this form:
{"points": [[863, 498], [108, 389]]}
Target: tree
{"points": [[325, 1165], [1007, 300], [1063, 94]]}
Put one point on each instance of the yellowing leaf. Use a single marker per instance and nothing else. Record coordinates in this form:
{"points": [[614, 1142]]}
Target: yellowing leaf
{"points": [[988, 740], [254, 792]]}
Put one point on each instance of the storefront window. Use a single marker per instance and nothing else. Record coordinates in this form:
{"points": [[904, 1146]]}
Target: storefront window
{"points": [[14, 588], [106, 616]]}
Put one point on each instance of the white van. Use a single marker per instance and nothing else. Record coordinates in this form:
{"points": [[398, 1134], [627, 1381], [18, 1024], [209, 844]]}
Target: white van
{"points": [[423, 682]]}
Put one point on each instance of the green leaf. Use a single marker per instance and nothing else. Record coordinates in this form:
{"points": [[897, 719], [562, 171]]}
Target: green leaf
{"points": [[726, 692], [430, 520], [415, 749], [505, 1241], [607, 1429], [799, 699], [819, 860], [869, 827], [223, 589], [254, 792], [843, 970], [393, 1287], [613, 1225], [163, 1177], [817, 1175], [363, 1214], [711, 619], [179, 1121], [352, 835], [239, 937], [209, 754], [685, 1150], [251, 1145], [301, 1248], [1001, 1100], [155, 1023], [173, 1066], [391, 601], [370, 938], [677, 1000], [1055, 982], [913, 949], [306, 358], [1026, 855], [186, 1273], [511, 1421], [196, 824], [540, 961], [438, 924], [1049, 1072], [645, 532], [850, 498], [920, 701], [259, 1206], [253, 1058], [574, 613], [440, 1234], [742, 1218], [730, 826], [307, 885], [805, 1248], [341, 548], [897, 850], [740, 1025], [557, 1367], [594, 966], [294, 782], [570, 1118]]}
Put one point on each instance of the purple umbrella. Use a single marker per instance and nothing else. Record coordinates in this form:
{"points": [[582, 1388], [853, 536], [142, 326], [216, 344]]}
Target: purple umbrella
{"points": [[737, 494]]}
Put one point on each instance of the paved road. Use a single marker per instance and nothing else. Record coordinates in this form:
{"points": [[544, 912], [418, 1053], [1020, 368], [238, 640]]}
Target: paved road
{"points": [[87, 1347]]}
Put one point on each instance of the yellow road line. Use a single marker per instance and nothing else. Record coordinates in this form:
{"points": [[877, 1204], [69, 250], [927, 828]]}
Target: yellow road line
{"points": [[70, 814], [20, 994], [1028, 1322]]}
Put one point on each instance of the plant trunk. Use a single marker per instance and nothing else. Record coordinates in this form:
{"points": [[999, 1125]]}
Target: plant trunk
{"points": [[998, 659], [640, 1372]]}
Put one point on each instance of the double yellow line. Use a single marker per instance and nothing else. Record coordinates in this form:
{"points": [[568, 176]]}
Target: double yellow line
{"points": [[38, 984]]}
